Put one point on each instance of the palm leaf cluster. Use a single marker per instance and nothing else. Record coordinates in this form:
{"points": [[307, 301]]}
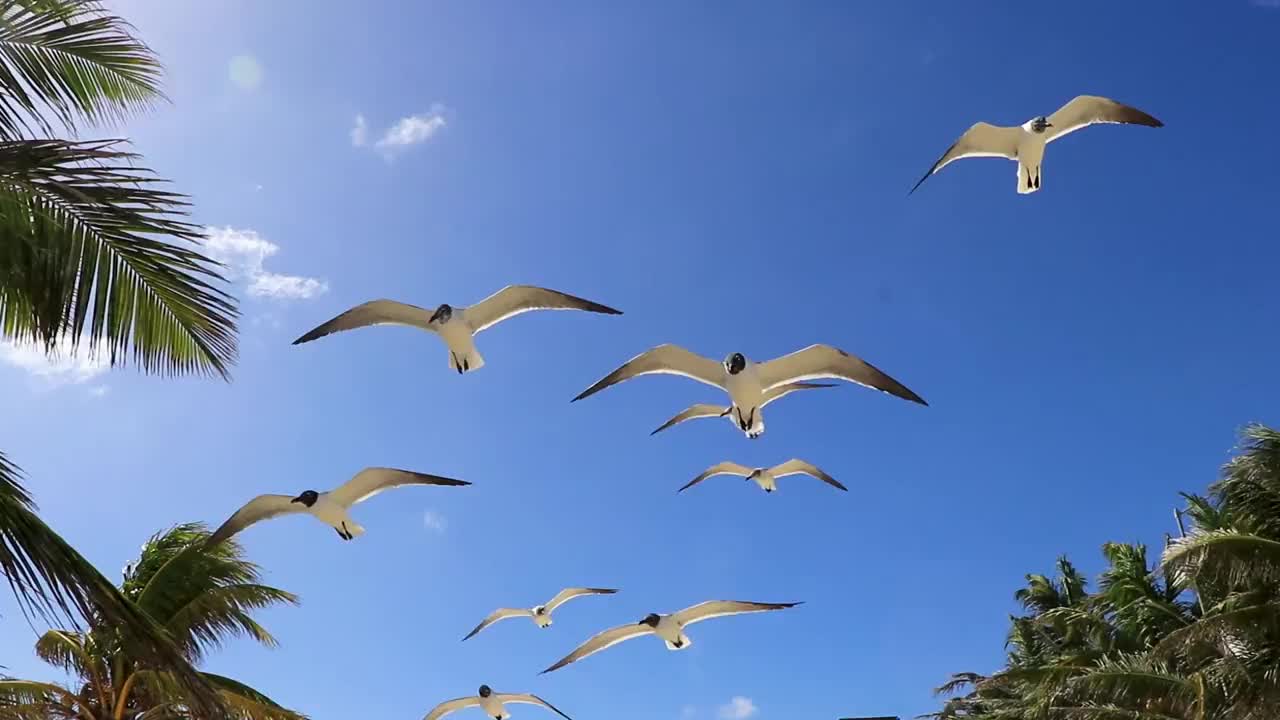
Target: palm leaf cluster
{"points": [[200, 597], [1194, 636]]}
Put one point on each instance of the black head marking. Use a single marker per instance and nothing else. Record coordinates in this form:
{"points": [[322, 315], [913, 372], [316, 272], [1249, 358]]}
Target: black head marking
{"points": [[442, 313], [651, 620], [307, 498], [735, 363], [540, 610], [485, 691], [1040, 124]]}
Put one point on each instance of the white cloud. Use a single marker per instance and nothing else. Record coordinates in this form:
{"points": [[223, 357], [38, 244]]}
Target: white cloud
{"points": [[360, 132], [245, 72], [434, 521], [244, 253], [99, 391], [739, 708], [60, 368], [404, 133]]}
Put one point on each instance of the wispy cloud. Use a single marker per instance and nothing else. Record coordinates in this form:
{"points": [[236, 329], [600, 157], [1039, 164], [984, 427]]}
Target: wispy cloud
{"points": [[738, 708], [402, 134], [360, 132], [244, 253], [99, 391], [57, 369], [435, 522]]}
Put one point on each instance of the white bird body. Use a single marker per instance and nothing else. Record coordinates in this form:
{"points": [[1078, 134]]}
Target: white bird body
{"points": [[766, 477], [492, 703], [747, 395], [1030, 154], [459, 336], [707, 410], [333, 514], [672, 633], [540, 614], [493, 707]]}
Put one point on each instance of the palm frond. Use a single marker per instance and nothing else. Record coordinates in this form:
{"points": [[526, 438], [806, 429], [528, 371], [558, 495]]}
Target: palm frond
{"points": [[92, 250], [958, 682], [30, 700], [248, 703], [217, 614], [73, 59], [1222, 556], [66, 649]]}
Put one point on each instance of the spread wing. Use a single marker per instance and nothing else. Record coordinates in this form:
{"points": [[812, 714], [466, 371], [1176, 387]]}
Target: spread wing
{"points": [[515, 299], [800, 467], [722, 608], [824, 361], [263, 507], [371, 481], [449, 706], [601, 641], [568, 594], [664, 359], [724, 468], [981, 140], [784, 390], [374, 312], [495, 616], [1087, 110], [530, 700], [701, 410]]}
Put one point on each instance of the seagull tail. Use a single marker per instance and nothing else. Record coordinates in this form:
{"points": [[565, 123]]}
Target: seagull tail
{"points": [[1028, 179], [465, 361], [355, 530]]}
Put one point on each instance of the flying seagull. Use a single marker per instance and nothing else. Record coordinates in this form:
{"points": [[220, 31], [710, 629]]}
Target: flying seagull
{"points": [[457, 326], [329, 507], [766, 478], [1025, 143], [705, 410], [747, 382], [668, 627], [541, 614], [492, 704]]}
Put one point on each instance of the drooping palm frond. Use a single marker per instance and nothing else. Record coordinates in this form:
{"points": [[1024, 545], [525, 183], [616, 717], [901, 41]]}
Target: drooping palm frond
{"points": [[1225, 557], [1250, 483], [92, 250], [246, 703], [958, 682], [71, 59], [29, 700], [67, 650]]}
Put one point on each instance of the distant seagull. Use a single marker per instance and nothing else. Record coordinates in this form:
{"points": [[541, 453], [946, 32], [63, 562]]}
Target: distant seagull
{"points": [[668, 627], [457, 326], [330, 507], [747, 382], [492, 704], [541, 614], [766, 478], [704, 410], [1025, 143]]}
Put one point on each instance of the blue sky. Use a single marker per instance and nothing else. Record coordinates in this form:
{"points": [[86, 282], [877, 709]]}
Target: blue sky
{"points": [[733, 179]]}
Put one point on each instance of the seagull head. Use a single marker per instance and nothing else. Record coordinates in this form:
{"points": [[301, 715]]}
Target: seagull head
{"points": [[485, 691], [1040, 124], [735, 363], [307, 498], [651, 620], [540, 610], [442, 313]]}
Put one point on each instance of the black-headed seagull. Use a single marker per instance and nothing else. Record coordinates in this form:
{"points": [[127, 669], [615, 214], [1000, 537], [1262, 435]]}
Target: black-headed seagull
{"points": [[766, 478], [541, 614], [706, 410], [492, 703]]}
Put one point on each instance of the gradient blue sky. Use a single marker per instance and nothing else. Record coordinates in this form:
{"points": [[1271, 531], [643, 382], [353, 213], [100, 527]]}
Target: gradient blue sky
{"points": [[733, 178]]}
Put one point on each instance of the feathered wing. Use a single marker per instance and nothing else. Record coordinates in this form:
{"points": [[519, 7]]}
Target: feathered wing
{"points": [[495, 616], [1086, 110], [263, 507], [450, 706], [373, 480], [374, 312], [800, 467], [700, 410], [568, 594], [724, 468], [530, 699], [782, 391], [824, 361], [722, 608], [601, 641], [515, 299], [981, 140], [664, 359]]}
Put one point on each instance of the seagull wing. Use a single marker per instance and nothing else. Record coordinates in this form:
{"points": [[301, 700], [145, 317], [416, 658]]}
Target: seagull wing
{"points": [[374, 312], [263, 507], [800, 467], [700, 410], [495, 616], [783, 390], [824, 361], [529, 699], [722, 608], [724, 468], [371, 481], [601, 641], [568, 594], [449, 706], [981, 140], [664, 359], [1087, 110], [515, 299]]}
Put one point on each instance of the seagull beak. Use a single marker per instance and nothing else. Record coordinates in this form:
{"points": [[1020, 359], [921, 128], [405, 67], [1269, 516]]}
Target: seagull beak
{"points": [[1048, 124], [297, 499]]}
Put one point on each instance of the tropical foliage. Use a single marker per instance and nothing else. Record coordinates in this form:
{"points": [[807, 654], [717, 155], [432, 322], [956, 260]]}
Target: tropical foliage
{"points": [[201, 596], [1195, 636]]}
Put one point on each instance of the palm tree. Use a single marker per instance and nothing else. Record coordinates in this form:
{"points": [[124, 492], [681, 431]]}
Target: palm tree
{"points": [[201, 596]]}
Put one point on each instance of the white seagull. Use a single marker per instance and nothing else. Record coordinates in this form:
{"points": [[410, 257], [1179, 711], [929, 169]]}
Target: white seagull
{"points": [[748, 382], [766, 478], [329, 507], [457, 326], [492, 704], [541, 614], [668, 627], [706, 410], [1025, 143]]}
